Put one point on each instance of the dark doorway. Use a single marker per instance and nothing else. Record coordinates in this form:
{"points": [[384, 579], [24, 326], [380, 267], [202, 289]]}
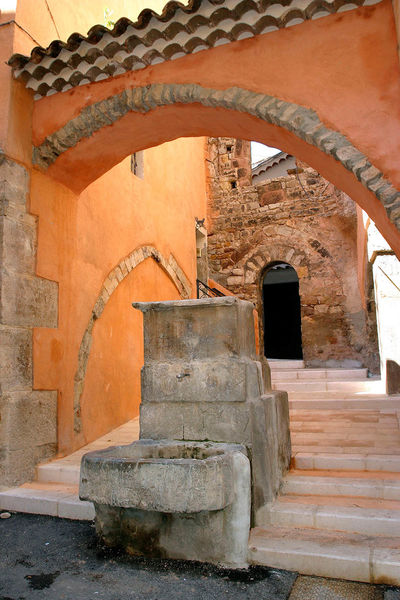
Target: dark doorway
{"points": [[282, 316]]}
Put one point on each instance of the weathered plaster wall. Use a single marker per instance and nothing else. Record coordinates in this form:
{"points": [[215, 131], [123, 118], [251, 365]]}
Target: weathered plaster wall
{"points": [[313, 229]]}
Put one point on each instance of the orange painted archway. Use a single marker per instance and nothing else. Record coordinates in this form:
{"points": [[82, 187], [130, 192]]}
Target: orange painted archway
{"points": [[335, 101]]}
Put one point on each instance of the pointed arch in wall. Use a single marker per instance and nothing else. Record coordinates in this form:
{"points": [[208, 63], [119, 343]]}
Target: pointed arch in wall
{"points": [[111, 282]]}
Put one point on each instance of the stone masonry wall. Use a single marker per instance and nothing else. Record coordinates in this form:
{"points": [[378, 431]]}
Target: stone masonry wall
{"points": [[28, 418], [309, 224]]}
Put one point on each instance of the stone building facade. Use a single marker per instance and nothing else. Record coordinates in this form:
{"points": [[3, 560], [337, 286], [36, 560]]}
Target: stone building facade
{"points": [[301, 220]]}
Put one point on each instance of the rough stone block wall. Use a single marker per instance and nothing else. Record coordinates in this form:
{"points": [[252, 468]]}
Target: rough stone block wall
{"points": [[305, 221], [28, 418]]}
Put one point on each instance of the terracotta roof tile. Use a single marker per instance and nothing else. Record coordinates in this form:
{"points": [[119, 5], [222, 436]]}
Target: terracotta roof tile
{"points": [[154, 38]]}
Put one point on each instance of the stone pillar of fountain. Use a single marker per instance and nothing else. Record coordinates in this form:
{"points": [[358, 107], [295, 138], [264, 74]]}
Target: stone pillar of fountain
{"points": [[201, 381]]}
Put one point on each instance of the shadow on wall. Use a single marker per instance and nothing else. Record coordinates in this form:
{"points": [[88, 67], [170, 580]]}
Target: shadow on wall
{"points": [[392, 377]]}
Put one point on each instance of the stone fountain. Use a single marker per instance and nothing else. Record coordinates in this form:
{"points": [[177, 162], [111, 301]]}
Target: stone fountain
{"points": [[214, 444]]}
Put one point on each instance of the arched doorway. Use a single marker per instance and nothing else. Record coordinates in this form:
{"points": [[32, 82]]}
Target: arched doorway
{"points": [[282, 315]]}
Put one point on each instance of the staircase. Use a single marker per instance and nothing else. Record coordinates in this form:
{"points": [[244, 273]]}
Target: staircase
{"points": [[338, 513], [55, 490]]}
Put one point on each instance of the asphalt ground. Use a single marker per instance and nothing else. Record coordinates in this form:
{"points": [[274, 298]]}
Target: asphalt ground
{"points": [[58, 559]]}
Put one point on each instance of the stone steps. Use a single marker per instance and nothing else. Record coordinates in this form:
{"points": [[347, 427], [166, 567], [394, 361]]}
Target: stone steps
{"points": [[54, 473], [323, 553], [385, 486], [343, 437], [55, 490], [356, 449], [329, 385], [318, 374], [346, 462], [369, 516], [282, 365], [339, 508], [308, 426], [55, 499], [338, 514], [330, 401]]}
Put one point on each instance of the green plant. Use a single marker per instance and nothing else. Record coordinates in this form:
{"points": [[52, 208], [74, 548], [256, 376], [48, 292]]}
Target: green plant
{"points": [[108, 22]]}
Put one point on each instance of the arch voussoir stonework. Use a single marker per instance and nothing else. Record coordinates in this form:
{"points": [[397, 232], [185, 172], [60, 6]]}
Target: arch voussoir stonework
{"points": [[302, 122], [112, 281]]}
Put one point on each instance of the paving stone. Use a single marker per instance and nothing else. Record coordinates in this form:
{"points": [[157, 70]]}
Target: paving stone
{"points": [[315, 588]]}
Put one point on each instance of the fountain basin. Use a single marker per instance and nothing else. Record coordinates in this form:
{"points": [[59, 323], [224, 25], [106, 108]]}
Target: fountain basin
{"points": [[165, 476], [172, 499]]}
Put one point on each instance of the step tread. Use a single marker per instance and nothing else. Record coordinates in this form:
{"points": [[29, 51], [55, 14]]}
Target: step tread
{"points": [[345, 461], [337, 513], [55, 499], [374, 559], [339, 502], [351, 475], [349, 435], [365, 450], [386, 489], [277, 363], [307, 403], [339, 395]]}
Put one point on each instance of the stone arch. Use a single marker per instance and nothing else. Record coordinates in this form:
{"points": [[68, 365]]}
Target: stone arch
{"points": [[303, 122], [312, 261], [111, 282], [256, 260]]}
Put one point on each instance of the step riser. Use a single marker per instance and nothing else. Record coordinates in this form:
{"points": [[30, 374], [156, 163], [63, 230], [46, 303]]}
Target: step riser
{"points": [[312, 375], [345, 426], [278, 365], [49, 474], [40, 502], [336, 567], [318, 487], [337, 437], [362, 521], [325, 556], [347, 450], [343, 404], [346, 462], [346, 387]]}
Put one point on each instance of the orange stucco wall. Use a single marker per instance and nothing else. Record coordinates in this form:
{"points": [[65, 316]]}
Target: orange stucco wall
{"points": [[82, 237]]}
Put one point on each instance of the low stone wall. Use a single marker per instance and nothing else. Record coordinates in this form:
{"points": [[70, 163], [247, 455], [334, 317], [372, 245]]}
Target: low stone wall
{"points": [[305, 221], [28, 418]]}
